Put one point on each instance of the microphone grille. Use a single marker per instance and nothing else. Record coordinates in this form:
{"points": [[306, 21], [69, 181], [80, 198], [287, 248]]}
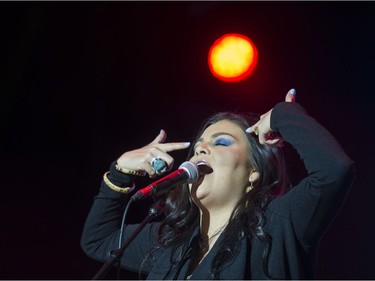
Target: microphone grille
{"points": [[191, 169]]}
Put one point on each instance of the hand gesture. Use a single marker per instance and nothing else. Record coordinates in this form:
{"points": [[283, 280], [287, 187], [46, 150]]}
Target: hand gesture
{"points": [[262, 128], [140, 159]]}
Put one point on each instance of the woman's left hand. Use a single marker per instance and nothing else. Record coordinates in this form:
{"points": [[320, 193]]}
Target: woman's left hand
{"points": [[262, 128]]}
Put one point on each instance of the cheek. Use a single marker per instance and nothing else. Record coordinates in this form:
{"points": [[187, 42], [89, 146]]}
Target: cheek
{"points": [[234, 159], [237, 166]]}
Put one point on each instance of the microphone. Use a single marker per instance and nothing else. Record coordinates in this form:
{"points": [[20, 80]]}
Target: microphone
{"points": [[186, 173]]}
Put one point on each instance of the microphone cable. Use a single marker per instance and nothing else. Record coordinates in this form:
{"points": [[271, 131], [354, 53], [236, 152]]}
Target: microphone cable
{"points": [[123, 222], [120, 236]]}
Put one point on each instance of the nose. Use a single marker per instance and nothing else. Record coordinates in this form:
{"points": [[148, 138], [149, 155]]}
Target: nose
{"points": [[202, 148]]}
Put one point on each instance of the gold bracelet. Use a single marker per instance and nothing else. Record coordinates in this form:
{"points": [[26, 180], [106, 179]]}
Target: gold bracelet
{"points": [[124, 190], [129, 172]]}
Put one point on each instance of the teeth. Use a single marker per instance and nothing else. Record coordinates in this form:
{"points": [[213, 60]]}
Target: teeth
{"points": [[203, 168]]}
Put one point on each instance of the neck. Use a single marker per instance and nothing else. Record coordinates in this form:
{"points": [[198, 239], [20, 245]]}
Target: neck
{"points": [[213, 223]]}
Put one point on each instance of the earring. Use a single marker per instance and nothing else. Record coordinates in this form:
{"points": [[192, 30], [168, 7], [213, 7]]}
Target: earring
{"points": [[250, 187]]}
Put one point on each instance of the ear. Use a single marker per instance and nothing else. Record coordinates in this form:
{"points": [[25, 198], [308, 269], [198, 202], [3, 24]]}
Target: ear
{"points": [[254, 176]]}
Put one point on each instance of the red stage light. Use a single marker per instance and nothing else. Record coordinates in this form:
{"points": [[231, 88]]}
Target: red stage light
{"points": [[232, 57]]}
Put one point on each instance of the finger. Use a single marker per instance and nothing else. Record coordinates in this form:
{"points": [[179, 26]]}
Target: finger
{"points": [[147, 162], [251, 130], [291, 96], [160, 138], [150, 171], [169, 161], [263, 138], [155, 152], [273, 142], [171, 146]]}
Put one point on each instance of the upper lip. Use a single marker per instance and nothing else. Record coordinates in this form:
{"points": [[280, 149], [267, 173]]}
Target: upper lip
{"points": [[202, 162]]}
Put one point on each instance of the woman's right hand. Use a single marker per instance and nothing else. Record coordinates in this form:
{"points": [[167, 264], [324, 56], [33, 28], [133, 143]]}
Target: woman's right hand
{"points": [[140, 159]]}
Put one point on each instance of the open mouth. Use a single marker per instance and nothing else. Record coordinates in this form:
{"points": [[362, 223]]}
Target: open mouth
{"points": [[203, 168]]}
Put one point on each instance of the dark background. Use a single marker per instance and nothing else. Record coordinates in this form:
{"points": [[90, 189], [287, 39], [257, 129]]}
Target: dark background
{"points": [[80, 83]]}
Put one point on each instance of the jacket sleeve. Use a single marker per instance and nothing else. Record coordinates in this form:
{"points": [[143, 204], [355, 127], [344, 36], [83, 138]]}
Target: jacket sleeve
{"points": [[101, 231], [313, 203]]}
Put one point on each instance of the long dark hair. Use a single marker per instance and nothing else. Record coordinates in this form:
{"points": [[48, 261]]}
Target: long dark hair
{"points": [[247, 219]]}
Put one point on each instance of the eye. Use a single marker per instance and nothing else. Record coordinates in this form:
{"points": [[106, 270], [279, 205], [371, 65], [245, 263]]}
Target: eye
{"points": [[223, 142]]}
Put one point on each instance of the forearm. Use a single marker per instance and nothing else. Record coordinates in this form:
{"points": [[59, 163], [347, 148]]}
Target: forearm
{"points": [[315, 201], [102, 227], [323, 157]]}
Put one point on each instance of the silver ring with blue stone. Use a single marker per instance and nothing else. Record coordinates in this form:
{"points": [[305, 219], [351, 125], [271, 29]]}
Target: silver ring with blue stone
{"points": [[159, 165]]}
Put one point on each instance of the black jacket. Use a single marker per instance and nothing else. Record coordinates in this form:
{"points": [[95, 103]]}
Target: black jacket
{"points": [[295, 221]]}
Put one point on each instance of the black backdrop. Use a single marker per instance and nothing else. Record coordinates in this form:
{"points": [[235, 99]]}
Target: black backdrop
{"points": [[81, 83]]}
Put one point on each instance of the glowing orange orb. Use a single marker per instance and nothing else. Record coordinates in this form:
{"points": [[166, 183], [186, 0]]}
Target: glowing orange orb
{"points": [[232, 57]]}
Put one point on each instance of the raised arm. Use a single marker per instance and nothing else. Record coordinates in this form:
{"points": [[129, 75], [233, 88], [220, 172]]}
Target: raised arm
{"points": [[314, 202]]}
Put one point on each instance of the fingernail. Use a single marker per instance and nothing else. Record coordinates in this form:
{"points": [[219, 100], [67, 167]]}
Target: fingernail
{"points": [[292, 92], [249, 130], [187, 144]]}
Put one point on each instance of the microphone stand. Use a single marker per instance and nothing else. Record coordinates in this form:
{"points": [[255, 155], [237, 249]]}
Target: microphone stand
{"points": [[116, 254]]}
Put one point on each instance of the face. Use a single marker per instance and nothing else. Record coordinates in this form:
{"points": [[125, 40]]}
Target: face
{"points": [[224, 147]]}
